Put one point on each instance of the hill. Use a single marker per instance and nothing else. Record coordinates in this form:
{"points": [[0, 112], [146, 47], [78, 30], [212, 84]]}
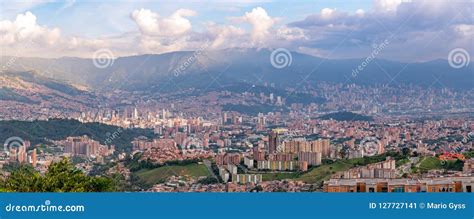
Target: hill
{"points": [[149, 177], [57, 129], [161, 72], [31, 88]]}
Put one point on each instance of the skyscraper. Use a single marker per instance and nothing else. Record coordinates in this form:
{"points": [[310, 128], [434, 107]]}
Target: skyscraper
{"points": [[272, 142], [34, 158], [135, 113]]}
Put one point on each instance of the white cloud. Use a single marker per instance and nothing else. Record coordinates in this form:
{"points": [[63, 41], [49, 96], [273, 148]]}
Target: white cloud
{"points": [[465, 30], [24, 28], [150, 23], [386, 5], [429, 29], [223, 36], [261, 24], [414, 23], [290, 33], [327, 13], [360, 12], [23, 36]]}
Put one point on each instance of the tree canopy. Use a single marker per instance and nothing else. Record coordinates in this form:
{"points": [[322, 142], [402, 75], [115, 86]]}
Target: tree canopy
{"points": [[61, 176]]}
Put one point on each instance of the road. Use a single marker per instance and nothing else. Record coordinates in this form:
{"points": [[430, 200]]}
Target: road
{"points": [[209, 167], [406, 168]]}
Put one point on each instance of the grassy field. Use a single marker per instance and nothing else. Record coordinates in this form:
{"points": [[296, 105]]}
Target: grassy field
{"points": [[160, 174], [279, 176], [324, 172], [433, 163], [319, 174], [430, 163]]}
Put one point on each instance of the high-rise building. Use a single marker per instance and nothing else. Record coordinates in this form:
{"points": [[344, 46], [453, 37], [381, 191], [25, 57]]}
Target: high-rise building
{"points": [[163, 114], [300, 145], [279, 102], [34, 158], [261, 121], [224, 118], [258, 155], [22, 155], [313, 158], [272, 142], [281, 157], [84, 146], [224, 159], [135, 113]]}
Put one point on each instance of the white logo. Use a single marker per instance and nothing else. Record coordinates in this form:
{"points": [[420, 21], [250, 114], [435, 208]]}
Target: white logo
{"points": [[459, 58], [370, 146], [281, 58], [103, 58], [13, 142]]}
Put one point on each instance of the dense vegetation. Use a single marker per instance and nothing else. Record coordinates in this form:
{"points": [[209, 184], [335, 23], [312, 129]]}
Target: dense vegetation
{"points": [[57, 129], [61, 177]]}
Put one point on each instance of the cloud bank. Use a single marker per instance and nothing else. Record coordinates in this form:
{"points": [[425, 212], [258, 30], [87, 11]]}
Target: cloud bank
{"points": [[418, 31]]}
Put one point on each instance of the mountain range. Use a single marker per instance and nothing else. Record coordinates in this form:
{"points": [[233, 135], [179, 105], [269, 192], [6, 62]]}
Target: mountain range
{"points": [[24, 88], [217, 68]]}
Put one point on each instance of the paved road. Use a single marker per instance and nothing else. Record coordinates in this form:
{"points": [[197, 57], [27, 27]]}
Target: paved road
{"points": [[209, 167], [406, 168]]}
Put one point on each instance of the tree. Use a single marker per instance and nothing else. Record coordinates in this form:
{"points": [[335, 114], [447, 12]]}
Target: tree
{"points": [[24, 179], [61, 177], [405, 151], [208, 180]]}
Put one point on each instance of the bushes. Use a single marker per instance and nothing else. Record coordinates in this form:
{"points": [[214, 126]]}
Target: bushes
{"points": [[61, 177]]}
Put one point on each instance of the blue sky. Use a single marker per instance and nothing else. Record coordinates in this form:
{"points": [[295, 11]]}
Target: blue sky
{"points": [[334, 29], [95, 18]]}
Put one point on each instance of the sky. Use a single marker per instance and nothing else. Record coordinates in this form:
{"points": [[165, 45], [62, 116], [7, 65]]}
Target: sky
{"points": [[412, 30]]}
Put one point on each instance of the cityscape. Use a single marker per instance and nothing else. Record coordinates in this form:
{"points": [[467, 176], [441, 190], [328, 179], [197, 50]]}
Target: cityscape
{"points": [[260, 99]]}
